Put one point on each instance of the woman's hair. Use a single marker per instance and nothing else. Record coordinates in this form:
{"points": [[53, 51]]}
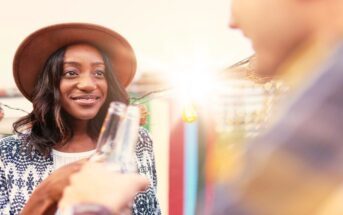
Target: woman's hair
{"points": [[49, 124]]}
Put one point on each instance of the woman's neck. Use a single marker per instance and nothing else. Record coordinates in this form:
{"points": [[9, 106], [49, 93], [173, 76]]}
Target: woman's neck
{"points": [[80, 141]]}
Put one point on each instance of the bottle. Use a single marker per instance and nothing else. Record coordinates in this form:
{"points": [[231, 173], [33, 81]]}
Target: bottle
{"points": [[106, 141], [123, 158]]}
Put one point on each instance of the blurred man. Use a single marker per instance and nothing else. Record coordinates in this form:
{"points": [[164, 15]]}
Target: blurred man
{"points": [[295, 168]]}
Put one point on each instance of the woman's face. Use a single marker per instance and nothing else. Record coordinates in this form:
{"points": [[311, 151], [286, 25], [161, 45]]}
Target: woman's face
{"points": [[83, 85]]}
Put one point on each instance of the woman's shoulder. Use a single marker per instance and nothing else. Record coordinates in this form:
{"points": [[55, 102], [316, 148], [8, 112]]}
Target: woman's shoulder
{"points": [[144, 139], [9, 145], [14, 150], [10, 142], [143, 132]]}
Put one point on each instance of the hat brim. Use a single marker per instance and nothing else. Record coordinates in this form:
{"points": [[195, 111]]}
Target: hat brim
{"points": [[35, 50]]}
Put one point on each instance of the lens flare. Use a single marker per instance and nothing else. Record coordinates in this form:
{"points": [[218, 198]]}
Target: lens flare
{"points": [[189, 113]]}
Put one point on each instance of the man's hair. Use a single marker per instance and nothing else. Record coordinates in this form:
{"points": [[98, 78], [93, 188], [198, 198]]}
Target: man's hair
{"points": [[48, 123]]}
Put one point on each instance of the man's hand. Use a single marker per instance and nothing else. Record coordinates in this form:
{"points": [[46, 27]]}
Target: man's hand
{"points": [[96, 184]]}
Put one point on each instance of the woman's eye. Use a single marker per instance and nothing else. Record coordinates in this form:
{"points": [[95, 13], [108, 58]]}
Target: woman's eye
{"points": [[70, 73], [99, 73]]}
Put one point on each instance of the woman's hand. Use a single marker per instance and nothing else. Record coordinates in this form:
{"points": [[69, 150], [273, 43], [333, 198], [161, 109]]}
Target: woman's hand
{"points": [[96, 184]]}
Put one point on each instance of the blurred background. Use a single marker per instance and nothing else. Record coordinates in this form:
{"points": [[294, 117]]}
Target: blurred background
{"points": [[202, 98]]}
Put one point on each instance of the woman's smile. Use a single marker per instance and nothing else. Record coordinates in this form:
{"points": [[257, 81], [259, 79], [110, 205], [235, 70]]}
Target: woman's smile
{"points": [[86, 100]]}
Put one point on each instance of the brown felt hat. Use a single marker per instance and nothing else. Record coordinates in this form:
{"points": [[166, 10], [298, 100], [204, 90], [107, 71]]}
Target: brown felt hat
{"points": [[34, 51]]}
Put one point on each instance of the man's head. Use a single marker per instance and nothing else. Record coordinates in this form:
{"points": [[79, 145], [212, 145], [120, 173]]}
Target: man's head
{"points": [[278, 27]]}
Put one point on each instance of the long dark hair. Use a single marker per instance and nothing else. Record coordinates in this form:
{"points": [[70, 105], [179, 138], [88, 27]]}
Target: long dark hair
{"points": [[49, 124]]}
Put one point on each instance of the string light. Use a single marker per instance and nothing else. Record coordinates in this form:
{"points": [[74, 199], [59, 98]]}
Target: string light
{"points": [[189, 113]]}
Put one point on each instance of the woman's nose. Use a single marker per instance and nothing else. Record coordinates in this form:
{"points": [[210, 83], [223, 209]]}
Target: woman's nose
{"points": [[86, 83]]}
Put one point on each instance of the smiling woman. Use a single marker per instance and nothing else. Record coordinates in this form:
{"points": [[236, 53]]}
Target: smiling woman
{"points": [[70, 72], [83, 86]]}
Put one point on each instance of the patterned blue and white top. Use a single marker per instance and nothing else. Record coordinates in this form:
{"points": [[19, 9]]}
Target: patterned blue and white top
{"points": [[20, 174]]}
